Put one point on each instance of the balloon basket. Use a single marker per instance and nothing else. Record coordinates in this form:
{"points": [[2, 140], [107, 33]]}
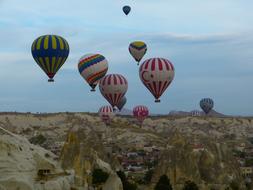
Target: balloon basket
{"points": [[50, 80], [157, 101], [93, 90]]}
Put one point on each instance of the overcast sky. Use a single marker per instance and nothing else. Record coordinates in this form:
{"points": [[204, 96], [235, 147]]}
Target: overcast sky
{"points": [[209, 42]]}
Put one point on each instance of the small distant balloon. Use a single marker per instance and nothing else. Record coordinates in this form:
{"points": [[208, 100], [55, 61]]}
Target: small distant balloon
{"points": [[121, 103], [50, 52], [126, 9], [137, 49], [206, 104], [140, 113], [106, 114]]}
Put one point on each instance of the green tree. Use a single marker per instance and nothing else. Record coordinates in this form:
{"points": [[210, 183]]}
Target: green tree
{"points": [[248, 185], [126, 184], [163, 183], [148, 176], [99, 176], [249, 162], [121, 175], [234, 185], [190, 185], [38, 140]]}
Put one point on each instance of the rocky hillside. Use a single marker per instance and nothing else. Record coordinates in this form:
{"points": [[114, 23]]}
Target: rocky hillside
{"points": [[85, 142], [81, 152], [207, 163], [21, 161]]}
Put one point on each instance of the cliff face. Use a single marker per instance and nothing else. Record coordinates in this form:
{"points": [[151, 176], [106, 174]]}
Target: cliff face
{"points": [[80, 153], [208, 163], [20, 162]]}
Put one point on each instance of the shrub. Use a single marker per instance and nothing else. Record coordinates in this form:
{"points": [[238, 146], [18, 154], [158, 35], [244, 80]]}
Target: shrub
{"points": [[99, 176], [190, 185], [163, 183]]}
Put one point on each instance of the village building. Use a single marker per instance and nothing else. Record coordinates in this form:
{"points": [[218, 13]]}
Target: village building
{"points": [[247, 171]]}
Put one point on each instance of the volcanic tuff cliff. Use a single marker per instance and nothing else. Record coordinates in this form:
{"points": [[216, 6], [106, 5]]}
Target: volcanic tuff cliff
{"points": [[207, 163], [81, 152], [20, 162]]}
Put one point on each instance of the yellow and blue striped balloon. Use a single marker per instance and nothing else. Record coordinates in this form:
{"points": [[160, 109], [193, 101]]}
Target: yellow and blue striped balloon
{"points": [[137, 49], [50, 52]]}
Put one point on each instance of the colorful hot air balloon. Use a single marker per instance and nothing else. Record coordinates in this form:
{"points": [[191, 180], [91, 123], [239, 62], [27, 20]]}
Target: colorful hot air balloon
{"points": [[137, 49], [50, 52], [92, 68], [121, 103], [126, 9], [113, 87], [140, 113], [206, 104], [156, 74], [106, 114]]}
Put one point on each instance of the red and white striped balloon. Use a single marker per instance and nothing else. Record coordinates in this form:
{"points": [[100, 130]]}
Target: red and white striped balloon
{"points": [[113, 87], [140, 113], [156, 74], [106, 114]]}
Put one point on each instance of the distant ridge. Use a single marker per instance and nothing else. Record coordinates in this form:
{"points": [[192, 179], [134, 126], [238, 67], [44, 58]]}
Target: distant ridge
{"points": [[185, 113], [124, 111], [128, 112]]}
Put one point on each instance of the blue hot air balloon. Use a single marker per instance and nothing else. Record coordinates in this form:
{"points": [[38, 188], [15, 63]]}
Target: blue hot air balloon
{"points": [[50, 52], [206, 105], [126, 9]]}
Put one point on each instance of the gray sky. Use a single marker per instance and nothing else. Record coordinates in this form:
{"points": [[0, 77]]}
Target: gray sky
{"points": [[209, 42]]}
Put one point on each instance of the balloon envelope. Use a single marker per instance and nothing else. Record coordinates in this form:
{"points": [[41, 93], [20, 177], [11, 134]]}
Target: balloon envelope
{"points": [[156, 74], [140, 113], [137, 49], [122, 103], [113, 87], [126, 9], [106, 114], [92, 68], [206, 104], [50, 52]]}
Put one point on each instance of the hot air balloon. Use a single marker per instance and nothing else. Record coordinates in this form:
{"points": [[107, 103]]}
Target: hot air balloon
{"points": [[113, 87], [140, 113], [106, 114], [206, 105], [50, 52], [156, 74], [126, 9], [92, 68], [121, 103], [137, 49]]}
